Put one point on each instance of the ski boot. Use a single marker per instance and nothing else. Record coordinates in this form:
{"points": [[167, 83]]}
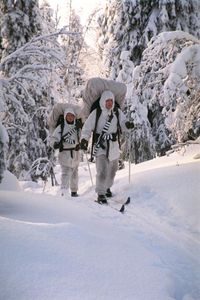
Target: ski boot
{"points": [[74, 194], [102, 199], [108, 193]]}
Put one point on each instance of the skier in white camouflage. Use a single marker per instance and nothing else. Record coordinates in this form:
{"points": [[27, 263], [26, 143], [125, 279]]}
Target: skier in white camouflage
{"points": [[105, 148], [66, 138]]}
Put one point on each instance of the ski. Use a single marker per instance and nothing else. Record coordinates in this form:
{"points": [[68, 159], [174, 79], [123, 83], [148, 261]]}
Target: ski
{"points": [[122, 208]]}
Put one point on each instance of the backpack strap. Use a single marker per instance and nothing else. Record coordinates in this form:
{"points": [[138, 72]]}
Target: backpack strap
{"points": [[119, 130], [98, 113], [101, 139], [77, 128], [61, 123]]}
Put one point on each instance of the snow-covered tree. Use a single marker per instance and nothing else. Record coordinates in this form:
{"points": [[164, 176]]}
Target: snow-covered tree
{"points": [[33, 78], [3, 145], [21, 21], [137, 145], [48, 25], [73, 45], [126, 27], [28, 74], [166, 91], [28, 98], [3, 139], [129, 25]]}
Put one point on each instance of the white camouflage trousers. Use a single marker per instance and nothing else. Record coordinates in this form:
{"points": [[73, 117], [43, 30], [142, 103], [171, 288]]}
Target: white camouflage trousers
{"points": [[106, 171], [69, 178]]}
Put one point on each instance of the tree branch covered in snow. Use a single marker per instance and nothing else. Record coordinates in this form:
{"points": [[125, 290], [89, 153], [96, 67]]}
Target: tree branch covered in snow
{"points": [[33, 65], [129, 26], [36, 48], [167, 84], [3, 148], [28, 71], [181, 147]]}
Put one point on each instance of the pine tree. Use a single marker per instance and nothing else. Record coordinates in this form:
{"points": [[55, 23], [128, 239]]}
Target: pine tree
{"points": [[73, 45], [129, 25], [137, 145], [19, 25], [166, 86], [20, 22], [28, 71], [48, 24], [3, 140]]}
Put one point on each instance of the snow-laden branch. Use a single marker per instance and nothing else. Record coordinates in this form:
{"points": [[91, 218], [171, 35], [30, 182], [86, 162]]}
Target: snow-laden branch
{"points": [[28, 68], [27, 78], [45, 52], [12, 125], [25, 90], [42, 108], [13, 99], [189, 58], [41, 167], [182, 147], [28, 46]]}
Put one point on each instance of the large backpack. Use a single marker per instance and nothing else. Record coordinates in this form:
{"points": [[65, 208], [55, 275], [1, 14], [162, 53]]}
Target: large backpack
{"points": [[95, 87], [92, 94], [56, 116]]}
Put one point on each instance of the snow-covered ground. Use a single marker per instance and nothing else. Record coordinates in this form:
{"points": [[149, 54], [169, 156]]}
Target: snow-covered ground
{"points": [[55, 248]]}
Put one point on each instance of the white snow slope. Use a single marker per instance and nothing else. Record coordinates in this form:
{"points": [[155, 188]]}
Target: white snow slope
{"points": [[55, 248]]}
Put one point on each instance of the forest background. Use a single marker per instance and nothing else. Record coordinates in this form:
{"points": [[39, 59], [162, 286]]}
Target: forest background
{"points": [[152, 47]]}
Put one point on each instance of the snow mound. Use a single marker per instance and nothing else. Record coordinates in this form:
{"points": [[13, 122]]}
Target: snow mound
{"points": [[9, 182]]}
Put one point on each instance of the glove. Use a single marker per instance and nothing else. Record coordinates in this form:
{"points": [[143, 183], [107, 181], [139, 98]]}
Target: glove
{"points": [[77, 148], [56, 145], [129, 125], [79, 124], [84, 144]]}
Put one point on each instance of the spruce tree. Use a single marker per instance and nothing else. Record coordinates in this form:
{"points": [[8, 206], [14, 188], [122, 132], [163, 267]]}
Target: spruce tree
{"points": [[166, 86], [130, 25], [3, 139], [73, 46], [27, 68]]}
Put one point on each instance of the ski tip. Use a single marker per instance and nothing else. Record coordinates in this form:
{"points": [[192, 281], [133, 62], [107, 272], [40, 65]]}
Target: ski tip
{"points": [[128, 200], [122, 208]]}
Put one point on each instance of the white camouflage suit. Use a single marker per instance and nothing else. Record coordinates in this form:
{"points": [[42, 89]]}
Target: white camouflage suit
{"points": [[106, 163], [68, 159]]}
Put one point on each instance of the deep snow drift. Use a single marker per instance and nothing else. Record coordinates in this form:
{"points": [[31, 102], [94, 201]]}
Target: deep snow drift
{"points": [[55, 248]]}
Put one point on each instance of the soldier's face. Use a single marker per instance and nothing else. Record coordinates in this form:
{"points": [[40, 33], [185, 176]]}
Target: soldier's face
{"points": [[70, 117], [109, 103]]}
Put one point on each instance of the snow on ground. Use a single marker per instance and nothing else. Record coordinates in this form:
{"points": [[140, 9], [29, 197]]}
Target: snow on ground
{"points": [[72, 248]]}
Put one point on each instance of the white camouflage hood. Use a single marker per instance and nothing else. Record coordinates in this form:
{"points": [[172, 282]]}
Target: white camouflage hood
{"points": [[69, 110], [105, 96]]}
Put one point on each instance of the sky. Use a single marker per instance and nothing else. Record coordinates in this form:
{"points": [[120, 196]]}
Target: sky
{"points": [[75, 249], [83, 7]]}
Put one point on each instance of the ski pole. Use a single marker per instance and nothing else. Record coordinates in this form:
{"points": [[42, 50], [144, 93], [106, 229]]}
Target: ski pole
{"points": [[129, 147], [89, 168], [129, 160], [131, 134]]}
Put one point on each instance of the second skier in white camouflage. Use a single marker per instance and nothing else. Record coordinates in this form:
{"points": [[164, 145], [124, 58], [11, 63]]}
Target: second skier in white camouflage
{"points": [[111, 121]]}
